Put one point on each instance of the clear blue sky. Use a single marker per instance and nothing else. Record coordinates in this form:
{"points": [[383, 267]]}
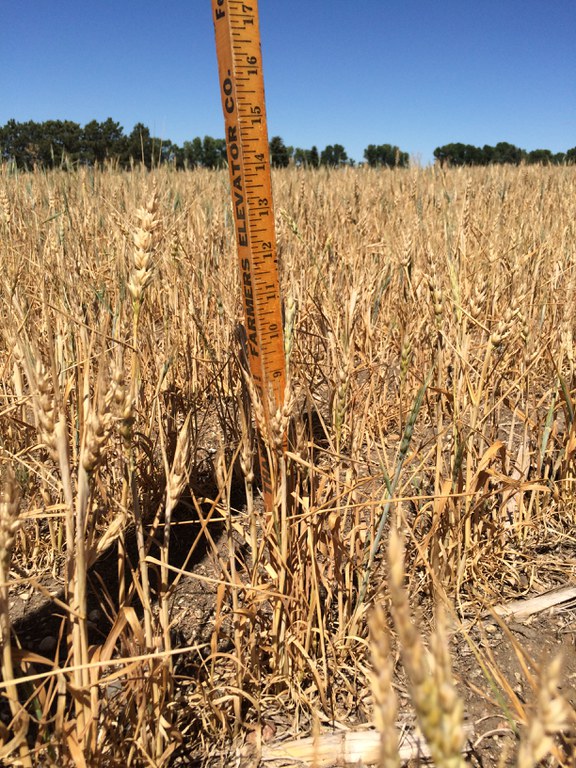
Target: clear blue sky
{"points": [[416, 73]]}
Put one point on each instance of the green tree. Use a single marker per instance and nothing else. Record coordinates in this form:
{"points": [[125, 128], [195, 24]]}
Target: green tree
{"points": [[306, 158], [142, 148], [113, 138], [213, 152], [102, 141], [279, 153], [540, 157], [333, 155], [55, 142], [447, 154], [177, 157], [18, 143], [385, 155], [93, 150], [193, 152], [300, 157], [340, 154], [327, 156], [487, 154], [459, 154], [167, 152], [138, 148], [371, 155], [508, 153], [66, 138]]}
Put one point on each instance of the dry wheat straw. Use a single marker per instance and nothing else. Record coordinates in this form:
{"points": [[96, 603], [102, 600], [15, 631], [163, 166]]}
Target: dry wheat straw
{"points": [[551, 716], [357, 249], [9, 525], [432, 690], [385, 699]]}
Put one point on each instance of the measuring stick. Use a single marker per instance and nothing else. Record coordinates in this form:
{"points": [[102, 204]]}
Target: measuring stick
{"points": [[242, 90]]}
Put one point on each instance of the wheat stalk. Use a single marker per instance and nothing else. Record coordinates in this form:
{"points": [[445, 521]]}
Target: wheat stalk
{"points": [[433, 694], [9, 525], [385, 699], [551, 716]]}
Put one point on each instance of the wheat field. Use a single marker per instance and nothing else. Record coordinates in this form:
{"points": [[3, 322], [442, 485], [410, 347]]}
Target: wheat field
{"points": [[429, 470]]}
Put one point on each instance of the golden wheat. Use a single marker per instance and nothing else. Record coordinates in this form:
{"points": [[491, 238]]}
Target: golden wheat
{"points": [[429, 339]]}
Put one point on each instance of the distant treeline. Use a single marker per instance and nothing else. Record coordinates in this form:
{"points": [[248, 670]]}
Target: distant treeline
{"points": [[66, 144], [467, 154]]}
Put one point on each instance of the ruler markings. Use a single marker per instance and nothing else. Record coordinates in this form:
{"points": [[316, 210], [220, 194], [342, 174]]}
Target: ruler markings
{"points": [[242, 91]]}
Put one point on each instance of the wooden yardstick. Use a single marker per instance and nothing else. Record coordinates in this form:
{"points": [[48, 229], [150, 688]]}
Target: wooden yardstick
{"points": [[239, 53]]}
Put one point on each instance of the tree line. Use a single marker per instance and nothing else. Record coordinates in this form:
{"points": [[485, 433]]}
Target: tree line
{"points": [[64, 143], [334, 155], [459, 154]]}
